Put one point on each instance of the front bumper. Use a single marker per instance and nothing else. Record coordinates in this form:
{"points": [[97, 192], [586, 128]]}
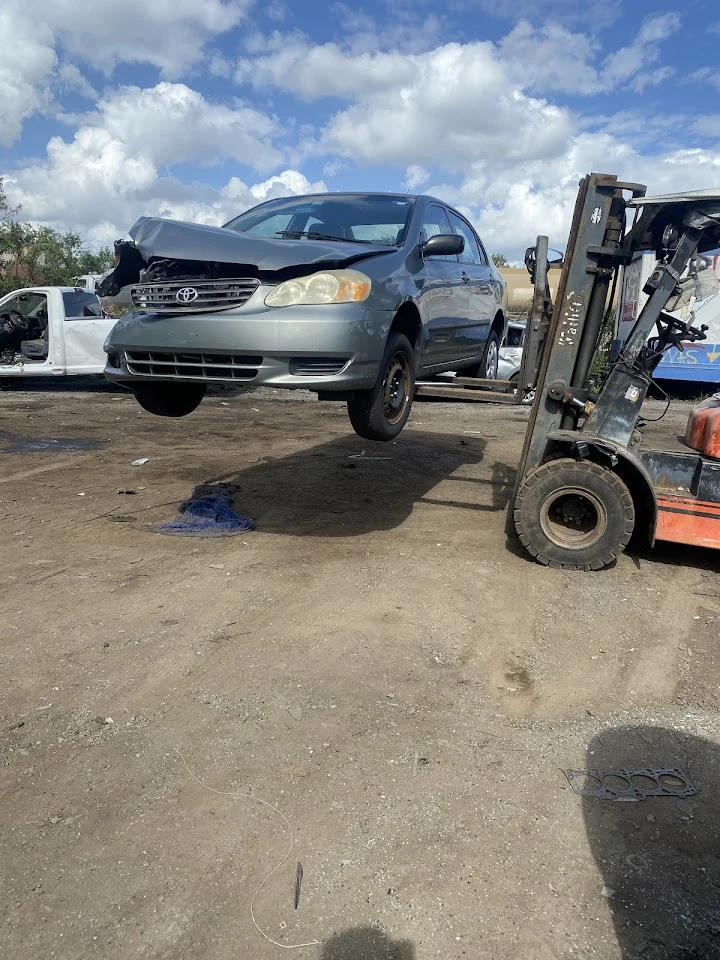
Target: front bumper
{"points": [[327, 347]]}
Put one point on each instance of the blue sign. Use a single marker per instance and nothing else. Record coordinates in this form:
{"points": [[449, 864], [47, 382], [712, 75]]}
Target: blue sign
{"points": [[699, 362]]}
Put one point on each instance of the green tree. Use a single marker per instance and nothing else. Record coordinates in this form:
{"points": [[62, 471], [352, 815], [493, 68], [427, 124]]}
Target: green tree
{"points": [[500, 260]]}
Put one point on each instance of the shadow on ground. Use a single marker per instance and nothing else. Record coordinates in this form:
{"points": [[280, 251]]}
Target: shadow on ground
{"points": [[93, 383], [348, 487], [366, 943], [660, 856]]}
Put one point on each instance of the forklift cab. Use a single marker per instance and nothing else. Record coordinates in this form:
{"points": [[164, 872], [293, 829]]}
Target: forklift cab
{"points": [[586, 481]]}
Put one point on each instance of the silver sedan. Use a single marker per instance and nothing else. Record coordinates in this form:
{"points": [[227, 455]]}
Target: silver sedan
{"points": [[349, 295]]}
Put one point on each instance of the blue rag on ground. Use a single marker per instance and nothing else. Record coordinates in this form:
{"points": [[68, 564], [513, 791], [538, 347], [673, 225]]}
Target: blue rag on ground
{"points": [[208, 513]]}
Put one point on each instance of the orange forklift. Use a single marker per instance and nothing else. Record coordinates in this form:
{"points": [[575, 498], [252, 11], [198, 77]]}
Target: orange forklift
{"points": [[587, 482]]}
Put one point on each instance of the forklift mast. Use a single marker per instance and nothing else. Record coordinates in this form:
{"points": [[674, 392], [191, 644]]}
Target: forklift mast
{"points": [[585, 479]]}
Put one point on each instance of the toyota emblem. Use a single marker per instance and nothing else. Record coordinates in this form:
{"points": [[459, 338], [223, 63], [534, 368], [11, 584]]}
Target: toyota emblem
{"points": [[186, 295]]}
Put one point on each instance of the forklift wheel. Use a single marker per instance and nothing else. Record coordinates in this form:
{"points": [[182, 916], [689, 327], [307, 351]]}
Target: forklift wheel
{"points": [[573, 514]]}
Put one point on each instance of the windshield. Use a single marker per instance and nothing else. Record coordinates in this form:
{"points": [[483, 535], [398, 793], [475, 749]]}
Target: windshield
{"points": [[359, 219]]}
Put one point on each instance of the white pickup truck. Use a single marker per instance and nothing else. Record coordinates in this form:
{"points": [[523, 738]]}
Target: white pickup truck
{"points": [[52, 331]]}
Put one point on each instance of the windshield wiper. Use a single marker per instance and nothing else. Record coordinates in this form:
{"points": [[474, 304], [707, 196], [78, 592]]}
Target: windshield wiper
{"points": [[312, 235]]}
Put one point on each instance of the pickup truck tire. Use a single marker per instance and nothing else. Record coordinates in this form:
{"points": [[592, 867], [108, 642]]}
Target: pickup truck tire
{"points": [[381, 412], [575, 515], [169, 399]]}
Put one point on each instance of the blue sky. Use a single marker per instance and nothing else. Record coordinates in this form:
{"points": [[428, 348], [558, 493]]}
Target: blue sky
{"points": [[197, 109]]}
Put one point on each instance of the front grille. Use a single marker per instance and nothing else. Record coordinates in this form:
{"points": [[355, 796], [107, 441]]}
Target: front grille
{"points": [[316, 366], [192, 366], [193, 296]]}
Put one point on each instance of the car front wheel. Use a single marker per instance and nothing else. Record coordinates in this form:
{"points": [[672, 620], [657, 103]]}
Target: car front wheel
{"points": [[381, 412], [169, 399]]}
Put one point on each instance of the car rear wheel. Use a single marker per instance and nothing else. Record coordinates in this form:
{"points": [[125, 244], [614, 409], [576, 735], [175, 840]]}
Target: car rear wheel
{"points": [[169, 399], [487, 369], [381, 412]]}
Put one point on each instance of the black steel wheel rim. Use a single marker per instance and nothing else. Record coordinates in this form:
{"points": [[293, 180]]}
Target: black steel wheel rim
{"points": [[573, 518], [395, 387]]}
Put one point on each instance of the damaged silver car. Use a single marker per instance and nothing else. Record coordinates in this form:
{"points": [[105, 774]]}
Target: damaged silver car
{"points": [[349, 295]]}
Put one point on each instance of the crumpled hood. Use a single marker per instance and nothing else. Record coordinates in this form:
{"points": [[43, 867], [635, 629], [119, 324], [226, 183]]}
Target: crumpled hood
{"points": [[156, 237]]}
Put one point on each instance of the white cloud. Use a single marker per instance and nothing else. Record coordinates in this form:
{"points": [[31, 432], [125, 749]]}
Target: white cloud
{"points": [[415, 177], [643, 51], [169, 34], [26, 62], [550, 58], [71, 78], [115, 167], [311, 72], [172, 123], [705, 75], [447, 108]]}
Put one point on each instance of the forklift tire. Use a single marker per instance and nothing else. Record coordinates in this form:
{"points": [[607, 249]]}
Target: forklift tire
{"points": [[574, 514], [169, 399], [381, 412]]}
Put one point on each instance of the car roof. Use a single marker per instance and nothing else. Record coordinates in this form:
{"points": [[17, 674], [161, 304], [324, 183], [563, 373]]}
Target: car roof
{"points": [[363, 193], [349, 193], [368, 193]]}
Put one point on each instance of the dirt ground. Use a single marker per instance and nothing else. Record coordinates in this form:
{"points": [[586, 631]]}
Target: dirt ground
{"points": [[375, 668]]}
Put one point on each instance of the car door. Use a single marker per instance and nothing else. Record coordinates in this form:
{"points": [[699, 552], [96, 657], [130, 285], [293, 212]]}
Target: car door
{"points": [[480, 281], [84, 328], [24, 333], [444, 297]]}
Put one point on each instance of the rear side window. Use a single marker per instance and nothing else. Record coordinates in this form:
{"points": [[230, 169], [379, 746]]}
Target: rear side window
{"points": [[80, 304], [471, 253]]}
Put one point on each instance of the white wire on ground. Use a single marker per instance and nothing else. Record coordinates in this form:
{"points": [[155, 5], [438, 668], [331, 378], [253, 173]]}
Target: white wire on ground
{"points": [[247, 796]]}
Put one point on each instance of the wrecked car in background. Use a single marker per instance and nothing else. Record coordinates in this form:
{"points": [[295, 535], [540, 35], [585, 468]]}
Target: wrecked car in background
{"points": [[349, 295], [52, 332]]}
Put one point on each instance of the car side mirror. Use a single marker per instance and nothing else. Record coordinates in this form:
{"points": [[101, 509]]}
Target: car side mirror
{"points": [[443, 245]]}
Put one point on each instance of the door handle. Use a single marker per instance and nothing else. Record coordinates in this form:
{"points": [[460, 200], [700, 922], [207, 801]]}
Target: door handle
{"points": [[464, 277]]}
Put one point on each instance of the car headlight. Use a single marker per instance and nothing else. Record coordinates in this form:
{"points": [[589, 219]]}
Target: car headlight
{"points": [[330, 286]]}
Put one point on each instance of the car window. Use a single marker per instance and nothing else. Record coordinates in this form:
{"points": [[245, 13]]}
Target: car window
{"points": [[515, 336], [471, 253], [27, 305], [363, 218], [24, 317], [483, 252], [80, 304], [435, 221]]}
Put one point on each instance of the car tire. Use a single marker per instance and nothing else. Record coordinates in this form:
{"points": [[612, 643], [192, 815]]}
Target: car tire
{"points": [[169, 399], [381, 412], [575, 515], [487, 369]]}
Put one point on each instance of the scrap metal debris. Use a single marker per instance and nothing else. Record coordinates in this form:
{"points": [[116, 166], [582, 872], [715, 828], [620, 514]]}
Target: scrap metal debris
{"points": [[298, 884], [633, 784]]}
